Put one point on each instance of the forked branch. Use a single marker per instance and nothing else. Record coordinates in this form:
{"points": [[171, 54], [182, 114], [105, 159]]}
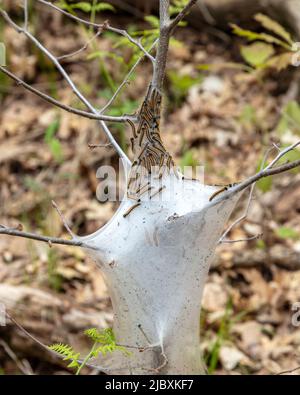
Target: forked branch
{"points": [[65, 107], [102, 27], [166, 30], [68, 79]]}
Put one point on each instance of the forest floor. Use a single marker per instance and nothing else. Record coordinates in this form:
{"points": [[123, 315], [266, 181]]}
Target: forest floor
{"points": [[222, 118]]}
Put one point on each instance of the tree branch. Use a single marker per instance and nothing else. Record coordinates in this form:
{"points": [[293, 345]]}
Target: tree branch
{"points": [[83, 48], [270, 170], [46, 239], [245, 215], [163, 44], [25, 14], [69, 81], [102, 26], [181, 15], [65, 107], [166, 29], [125, 81]]}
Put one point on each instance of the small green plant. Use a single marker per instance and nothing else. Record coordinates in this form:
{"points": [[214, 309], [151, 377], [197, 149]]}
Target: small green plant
{"points": [[126, 106], [103, 342], [180, 85], [285, 232], [223, 334], [264, 184], [55, 280], [88, 7], [52, 142], [290, 119], [272, 48], [188, 159]]}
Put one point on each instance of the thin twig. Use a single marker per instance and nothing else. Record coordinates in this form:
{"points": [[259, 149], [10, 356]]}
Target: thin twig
{"points": [[256, 237], [16, 360], [103, 26], [70, 82], [287, 371], [25, 14], [99, 368], [46, 239], [83, 48], [63, 220], [44, 346], [266, 172], [93, 146], [246, 212], [65, 107], [126, 80], [249, 181], [206, 13], [182, 14]]}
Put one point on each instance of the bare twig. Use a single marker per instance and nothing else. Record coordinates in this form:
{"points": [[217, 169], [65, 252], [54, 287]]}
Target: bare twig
{"points": [[35, 340], [126, 80], [65, 107], [256, 237], [205, 12], [68, 79], [181, 15], [25, 14], [270, 170], [288, 371], [102, 26], [63, 220], [44, 346], [13, 356], [83, 48], [93, 146], [91, 365], [245, 215], [46, 239]]}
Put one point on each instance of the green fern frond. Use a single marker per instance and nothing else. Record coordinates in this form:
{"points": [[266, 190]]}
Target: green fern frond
{"points": [[62, 349], [104, 337], [67, 352]]}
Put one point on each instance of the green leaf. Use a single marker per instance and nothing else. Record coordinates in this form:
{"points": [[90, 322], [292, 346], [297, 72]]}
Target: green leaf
{"points": [[51, 130], [287, 233], [74, 363], [152, 20], [257, 53], [248, 115], [180, 84], [264, 184], [105, 337], [251, 36], [260, 244], [104, 7], [274, 27], [292, 112], [290, 120], [56, 150], [83, 6], [188, 159], [52, 142]]}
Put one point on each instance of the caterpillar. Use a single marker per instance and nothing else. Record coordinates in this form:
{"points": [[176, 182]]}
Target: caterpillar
{"points": [[131, 209]]}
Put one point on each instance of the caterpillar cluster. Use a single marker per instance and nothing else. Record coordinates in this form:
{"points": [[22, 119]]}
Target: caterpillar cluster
{"points": [[150, 153]]}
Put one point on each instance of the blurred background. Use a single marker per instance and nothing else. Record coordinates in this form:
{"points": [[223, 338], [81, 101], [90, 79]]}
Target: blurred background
{"points": [[226, 100]]}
